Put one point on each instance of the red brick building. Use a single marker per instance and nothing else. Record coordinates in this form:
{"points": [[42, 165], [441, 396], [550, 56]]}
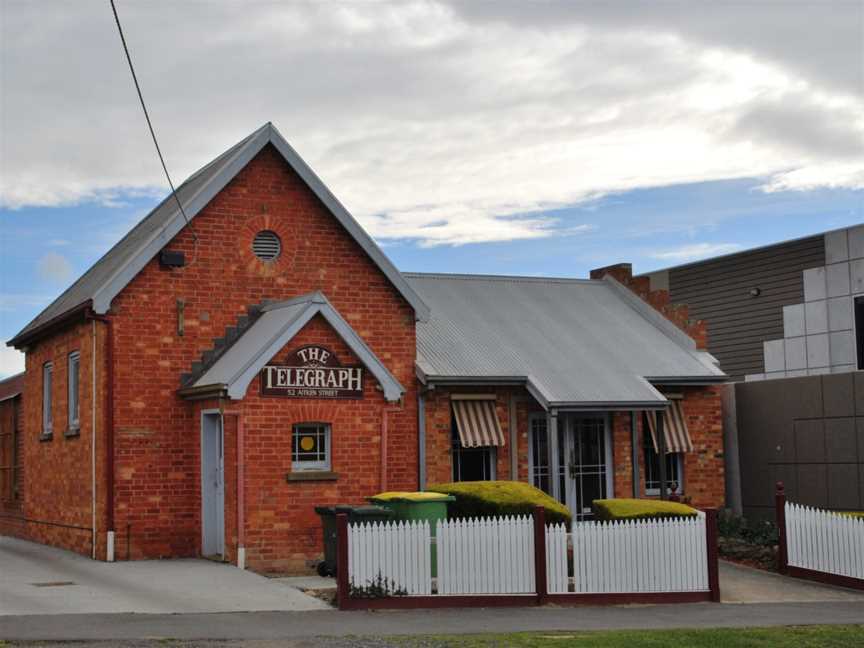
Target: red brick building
{"points": [[206, 384]]}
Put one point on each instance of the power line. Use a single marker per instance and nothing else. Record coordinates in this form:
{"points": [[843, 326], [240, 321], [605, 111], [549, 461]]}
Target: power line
{"points": [[147, 117]]}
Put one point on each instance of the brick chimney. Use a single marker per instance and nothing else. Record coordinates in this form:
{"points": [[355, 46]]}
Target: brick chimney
{"points": [[678, 314]]}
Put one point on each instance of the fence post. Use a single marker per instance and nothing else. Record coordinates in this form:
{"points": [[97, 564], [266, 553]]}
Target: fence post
{"points": [[540, 583], [711, 533], [780, 515], [342, 560]]}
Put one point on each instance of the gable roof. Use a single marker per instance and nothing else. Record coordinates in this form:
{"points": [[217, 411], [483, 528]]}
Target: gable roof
{"points": [[113, 272], [573, 343], [275, 327]]}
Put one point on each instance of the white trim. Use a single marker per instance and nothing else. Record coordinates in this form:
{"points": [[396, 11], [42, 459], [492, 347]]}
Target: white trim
{"points": [[47, 398], [306, 466], [73, 423]]}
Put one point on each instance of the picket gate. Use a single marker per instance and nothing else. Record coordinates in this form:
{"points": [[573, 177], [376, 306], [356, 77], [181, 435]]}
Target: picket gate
{"points": [[824, 541], [486, 555], [639, 556], [398, 552]]}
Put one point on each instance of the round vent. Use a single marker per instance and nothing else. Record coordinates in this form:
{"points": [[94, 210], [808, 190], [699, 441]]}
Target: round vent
{"points": [[266, 245]]}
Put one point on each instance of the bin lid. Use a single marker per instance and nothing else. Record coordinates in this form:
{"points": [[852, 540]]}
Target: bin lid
{"points": [[416, 497], [370, 511]]}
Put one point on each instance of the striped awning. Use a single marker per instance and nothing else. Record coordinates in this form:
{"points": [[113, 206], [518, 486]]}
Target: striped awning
{"points": [[477, 422], [675, 431]]}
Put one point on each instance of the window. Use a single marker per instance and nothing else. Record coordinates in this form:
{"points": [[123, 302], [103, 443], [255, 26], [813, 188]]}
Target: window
{"points": [[73, 382], [859, 330], [47, 415], [674, 468], [471, 464], [310, 447], [538, 453]]}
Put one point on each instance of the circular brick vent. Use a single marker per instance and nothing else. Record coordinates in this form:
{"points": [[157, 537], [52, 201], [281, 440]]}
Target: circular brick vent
{"points": [[266, 245]]}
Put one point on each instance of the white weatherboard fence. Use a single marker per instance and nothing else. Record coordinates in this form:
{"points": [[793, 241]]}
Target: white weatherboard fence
{"points": [[633, 557], [824, 541], [486, 556], [398, 552]]}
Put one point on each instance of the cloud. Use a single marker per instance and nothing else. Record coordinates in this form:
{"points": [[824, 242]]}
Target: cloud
{"points": [[444, 123], [55, 267], [11, 362], [694, 251]]}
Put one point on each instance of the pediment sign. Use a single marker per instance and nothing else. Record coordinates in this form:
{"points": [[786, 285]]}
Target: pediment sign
{"points": [[312, 371]]}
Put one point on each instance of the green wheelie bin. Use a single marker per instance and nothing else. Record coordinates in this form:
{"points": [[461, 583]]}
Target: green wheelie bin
{"points": [[327, 567], [417, 506]]}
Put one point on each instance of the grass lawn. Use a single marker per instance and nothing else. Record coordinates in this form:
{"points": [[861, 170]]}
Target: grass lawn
{"points": [[797, 637]]}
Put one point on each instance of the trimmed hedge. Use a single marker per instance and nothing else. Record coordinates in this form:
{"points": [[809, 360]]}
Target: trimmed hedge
{"points": [[640, 509], [853, 514], [490, 498], [408, 496]]}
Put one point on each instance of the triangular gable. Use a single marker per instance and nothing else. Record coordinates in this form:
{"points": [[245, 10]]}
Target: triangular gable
{"points": [[116, 269], [277, 325]]}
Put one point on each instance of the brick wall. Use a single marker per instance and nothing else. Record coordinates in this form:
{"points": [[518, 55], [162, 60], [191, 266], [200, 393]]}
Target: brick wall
{"points": [[61, 496], [703, 468], [11, 466], [283, 532], [439, 455], [157, 433], [704, 484]]}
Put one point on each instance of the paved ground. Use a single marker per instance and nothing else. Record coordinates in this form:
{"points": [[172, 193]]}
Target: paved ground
{"points": [[194, 599], [35, 579], [740, 584], [296, 625]]}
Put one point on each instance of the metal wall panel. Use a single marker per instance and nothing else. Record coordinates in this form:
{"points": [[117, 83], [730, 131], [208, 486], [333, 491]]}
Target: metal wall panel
{"points": [[806, 432], [718, 291]]}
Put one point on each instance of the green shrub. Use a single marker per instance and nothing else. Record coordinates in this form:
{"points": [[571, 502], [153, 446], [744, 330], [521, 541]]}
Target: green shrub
{"points": [[853, 514], [490, 498], [640, 509]]}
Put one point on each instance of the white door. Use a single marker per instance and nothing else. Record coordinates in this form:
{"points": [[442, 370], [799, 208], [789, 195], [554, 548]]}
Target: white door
{"points": [[212, 486], [587, 458]]}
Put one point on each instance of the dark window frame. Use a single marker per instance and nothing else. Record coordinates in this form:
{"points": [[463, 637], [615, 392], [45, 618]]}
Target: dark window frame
{"points": [[459, 453]]}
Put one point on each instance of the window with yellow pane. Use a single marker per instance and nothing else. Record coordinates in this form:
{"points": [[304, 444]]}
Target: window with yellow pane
{"points": [[310, 447]]}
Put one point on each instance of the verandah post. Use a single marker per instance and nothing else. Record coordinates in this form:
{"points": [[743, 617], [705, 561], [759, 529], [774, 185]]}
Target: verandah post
{"points": [[540, 584], [780, 515], [711, 532], [342, 560]]}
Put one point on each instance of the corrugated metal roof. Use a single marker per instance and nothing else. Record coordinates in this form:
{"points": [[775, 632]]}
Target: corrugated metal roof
{"points": [[577, 343], [12, 386], [274, 328], [110, 274]]}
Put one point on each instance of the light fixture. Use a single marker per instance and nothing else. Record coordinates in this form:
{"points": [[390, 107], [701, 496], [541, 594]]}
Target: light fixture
{"points": [[755, 292]]}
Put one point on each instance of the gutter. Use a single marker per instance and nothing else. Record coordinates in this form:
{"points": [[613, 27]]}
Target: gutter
{"points": [[81, 311]]}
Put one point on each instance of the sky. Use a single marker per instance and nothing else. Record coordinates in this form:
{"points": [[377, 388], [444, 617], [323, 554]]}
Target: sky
{"points": [[543, 138]]}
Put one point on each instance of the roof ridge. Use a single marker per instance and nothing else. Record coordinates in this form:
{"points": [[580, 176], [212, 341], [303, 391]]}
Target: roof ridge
{"points": [[494, 277]]}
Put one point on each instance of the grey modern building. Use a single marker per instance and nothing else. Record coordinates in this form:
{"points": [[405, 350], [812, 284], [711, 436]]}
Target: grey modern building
{"points": [[790, 309]]}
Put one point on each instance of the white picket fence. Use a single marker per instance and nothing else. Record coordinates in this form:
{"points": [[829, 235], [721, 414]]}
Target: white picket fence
{"points": [[824, 541], [629, 557], [486, 556], [496, 556], [397, 551], [640, 556]]}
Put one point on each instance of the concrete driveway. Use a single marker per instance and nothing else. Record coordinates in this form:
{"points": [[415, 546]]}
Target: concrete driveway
{"points": [[739, 584], [35, 579]]}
